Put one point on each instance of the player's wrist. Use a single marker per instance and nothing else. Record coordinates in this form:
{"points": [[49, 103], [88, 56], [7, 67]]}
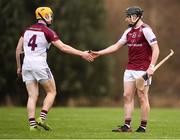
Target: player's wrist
{"points": [[101, 53], [152, 65], [81, 54]]}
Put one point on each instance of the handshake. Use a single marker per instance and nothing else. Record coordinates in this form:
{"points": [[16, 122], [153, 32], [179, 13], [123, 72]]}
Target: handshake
{"points": [[90, 55]]}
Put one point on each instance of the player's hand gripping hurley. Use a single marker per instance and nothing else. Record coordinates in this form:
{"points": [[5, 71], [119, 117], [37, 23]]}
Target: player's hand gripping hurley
{"points": [[140, 81]]}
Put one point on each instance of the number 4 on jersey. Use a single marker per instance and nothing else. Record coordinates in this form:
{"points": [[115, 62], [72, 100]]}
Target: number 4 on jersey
{"points": [[32, 42]]}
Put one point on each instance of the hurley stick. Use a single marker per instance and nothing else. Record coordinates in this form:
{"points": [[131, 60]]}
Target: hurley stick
{"points": [[141, 80]]}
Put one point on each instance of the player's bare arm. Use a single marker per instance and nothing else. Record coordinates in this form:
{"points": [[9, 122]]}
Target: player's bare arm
{"points": [[111, 49], [155, 55], [19, 50], [70, 50]]}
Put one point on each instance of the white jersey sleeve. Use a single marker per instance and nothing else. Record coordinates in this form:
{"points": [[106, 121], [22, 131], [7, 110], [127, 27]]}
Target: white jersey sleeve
{"points": [[149, 35], [123, 39]]}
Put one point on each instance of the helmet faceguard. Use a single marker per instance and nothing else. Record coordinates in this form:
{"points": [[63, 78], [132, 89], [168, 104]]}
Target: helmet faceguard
{"points": [[44, 13], [131, 11]]}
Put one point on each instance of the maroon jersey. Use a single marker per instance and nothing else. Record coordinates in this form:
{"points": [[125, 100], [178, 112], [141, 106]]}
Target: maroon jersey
{"points": [[138, 41]]}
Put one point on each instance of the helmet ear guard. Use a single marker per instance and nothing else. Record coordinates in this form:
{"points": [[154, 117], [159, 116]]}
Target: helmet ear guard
{"points": [[134, 18], [47, 17]]}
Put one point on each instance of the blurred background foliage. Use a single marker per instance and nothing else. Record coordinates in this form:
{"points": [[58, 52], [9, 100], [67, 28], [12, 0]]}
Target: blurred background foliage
{"points": [[90, 25]]}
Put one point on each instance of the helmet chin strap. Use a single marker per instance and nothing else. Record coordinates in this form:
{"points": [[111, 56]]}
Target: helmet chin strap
{"points": [[132, 25], [44, 20]]}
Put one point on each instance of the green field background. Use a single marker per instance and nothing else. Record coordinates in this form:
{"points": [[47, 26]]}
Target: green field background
{"points": [[89, 123]]}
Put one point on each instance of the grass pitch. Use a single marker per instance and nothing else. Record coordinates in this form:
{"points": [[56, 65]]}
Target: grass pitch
{"points": [[89, 123]]}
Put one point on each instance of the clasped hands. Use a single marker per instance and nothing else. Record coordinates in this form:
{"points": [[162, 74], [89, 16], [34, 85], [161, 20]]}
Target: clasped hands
{"points": [[90, 56]]}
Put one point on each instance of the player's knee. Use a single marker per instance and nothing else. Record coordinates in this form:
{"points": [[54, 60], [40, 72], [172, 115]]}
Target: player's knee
{"points": [[33, 97], [52, 92], [127, 97], [143, 100]]}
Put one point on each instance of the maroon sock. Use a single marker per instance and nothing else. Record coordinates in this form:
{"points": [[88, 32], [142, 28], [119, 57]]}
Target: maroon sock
{"points": [[43, 114], [143, 123], [32, 122], [128, 122]]}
